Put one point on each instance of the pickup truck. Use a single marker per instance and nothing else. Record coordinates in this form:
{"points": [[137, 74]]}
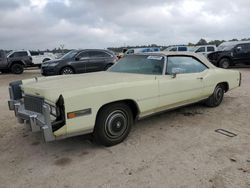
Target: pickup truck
{"points": [[34, 58], [14, 65]]}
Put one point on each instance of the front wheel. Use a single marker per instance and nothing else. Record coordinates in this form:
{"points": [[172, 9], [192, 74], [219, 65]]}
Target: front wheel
{"points": [[224, 63], [216, 98], [16, 68], [113, 124], [67, 70]]}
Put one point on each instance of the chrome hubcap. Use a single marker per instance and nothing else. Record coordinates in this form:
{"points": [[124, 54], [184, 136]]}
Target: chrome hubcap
{"points": [[116, 124], [218, 94], [67, 71], [225, 64]]}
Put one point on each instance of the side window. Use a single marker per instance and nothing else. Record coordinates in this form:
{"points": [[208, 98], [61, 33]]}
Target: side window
{"points": [[130, 52], [33, 53], [20, 54], [83, 55], [210, 49], [95, 54], [243, 47], [173, 49], [183, 65], [201, 49], [182, 49]]}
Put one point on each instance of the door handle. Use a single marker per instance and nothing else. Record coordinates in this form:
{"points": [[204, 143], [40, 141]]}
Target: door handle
{"points": [[200, 78]]}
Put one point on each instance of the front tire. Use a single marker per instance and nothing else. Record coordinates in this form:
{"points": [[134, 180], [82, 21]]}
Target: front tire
{"points": [[216, 98], [224, 63], [113, 124], [66, 70], [16, 68]]}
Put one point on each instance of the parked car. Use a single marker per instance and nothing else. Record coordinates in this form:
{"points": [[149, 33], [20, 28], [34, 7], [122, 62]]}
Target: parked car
{"points": [[106, 104], [14, 64], [177, 48], [79, 61], [32, 58], [205, 49], [140, 50], [231, 53]]}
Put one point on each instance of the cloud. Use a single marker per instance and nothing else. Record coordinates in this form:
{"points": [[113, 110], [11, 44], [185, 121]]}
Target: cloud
{"points": [[42, 24]]}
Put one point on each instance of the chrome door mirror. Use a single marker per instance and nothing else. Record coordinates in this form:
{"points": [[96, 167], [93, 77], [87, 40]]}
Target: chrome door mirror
{"points": [[176, 71]]}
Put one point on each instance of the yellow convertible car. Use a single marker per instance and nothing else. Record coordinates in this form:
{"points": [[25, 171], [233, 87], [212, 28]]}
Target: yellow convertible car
{"points": [[106, 104]]}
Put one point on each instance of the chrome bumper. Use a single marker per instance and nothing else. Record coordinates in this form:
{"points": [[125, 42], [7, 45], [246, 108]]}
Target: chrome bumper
{"points": [[34, 121]]}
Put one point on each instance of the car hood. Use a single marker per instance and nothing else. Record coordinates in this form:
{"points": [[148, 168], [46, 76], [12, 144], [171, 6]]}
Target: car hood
{"points": [[52, 87]]}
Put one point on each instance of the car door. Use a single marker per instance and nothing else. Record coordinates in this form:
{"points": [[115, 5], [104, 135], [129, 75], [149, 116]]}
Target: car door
{"points": [[22, 55], [240, 53], [36, 59], [80, 61], [201, 50], [183, 82], [97, 61]]}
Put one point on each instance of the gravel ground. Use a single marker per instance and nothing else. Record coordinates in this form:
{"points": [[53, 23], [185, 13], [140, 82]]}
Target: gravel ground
{"points": [[175, 149]]}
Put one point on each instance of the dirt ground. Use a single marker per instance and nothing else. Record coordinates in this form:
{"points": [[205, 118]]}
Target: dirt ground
{"points": [[175, 149]]}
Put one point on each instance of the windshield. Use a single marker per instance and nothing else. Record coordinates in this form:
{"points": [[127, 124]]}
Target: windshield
{"points": [[225, 47], [69, 55], [139, 64]]}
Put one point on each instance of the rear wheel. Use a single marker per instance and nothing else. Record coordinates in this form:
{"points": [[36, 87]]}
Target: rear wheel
{"points": [[16, 68], [224, 63], [216, 98], [113, 124], [67, 70], [107, 66]]}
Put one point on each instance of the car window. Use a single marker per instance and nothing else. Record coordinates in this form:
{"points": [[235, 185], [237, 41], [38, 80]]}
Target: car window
{"points": [[210, 49], [33, 53], [94, 54], [243, 47], [83, 55], [182, 49], [201, 49], [173, 49], [20, 54], [184, 64], [130, 52], [139, 64]]}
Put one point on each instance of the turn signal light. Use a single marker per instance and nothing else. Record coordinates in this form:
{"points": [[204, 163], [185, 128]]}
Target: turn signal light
{"points": [[71, 115]]}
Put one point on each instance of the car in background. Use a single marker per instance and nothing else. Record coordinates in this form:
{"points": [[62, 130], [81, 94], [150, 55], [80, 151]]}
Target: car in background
{"points": [[106, 104], [177, 48], [141, 50], [231, 53], [204, 49], [80, 61], [32, 58], [15, 64]]}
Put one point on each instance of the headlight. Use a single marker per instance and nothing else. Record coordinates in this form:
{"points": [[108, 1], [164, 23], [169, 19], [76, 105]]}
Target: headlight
{"points": [[53, 110]]}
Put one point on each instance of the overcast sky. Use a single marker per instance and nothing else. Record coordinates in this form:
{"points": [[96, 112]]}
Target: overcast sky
{"points": [[45, 24]]}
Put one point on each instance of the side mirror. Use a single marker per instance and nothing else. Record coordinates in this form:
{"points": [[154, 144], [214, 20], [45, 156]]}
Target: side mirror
{"points": [[239, 48], [176, 71], [77, 58]]}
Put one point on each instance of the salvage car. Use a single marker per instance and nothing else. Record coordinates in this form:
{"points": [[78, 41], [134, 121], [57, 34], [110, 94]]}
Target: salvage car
{"points": [[79, 61], [106, 104]]}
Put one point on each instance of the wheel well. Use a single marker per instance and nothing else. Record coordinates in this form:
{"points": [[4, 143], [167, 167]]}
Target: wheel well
{"points": [[16, 62], [67, 66], [132, 105], [225, 85]]}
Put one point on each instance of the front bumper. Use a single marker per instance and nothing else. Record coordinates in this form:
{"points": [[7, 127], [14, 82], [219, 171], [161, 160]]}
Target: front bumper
{"points": [[48, 71], [33, 120]]}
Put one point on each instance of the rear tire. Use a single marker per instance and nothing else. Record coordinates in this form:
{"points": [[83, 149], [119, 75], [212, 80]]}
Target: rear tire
{"points": [[107, 66], [16, 68], [224, 63], [216, 98], [66, 70], [113, 124]]}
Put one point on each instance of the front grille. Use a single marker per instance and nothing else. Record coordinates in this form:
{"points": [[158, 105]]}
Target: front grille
{"points": [[34, 104]]}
